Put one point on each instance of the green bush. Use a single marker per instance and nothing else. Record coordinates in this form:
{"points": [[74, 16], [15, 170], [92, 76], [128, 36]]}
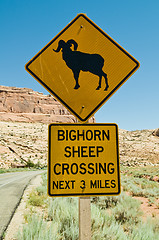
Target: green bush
{"points": [[41, 190], [104, 226], [36, 229], [64, 213], [30, 164], [140, 186], [127, 211], [105, 202], [119, 216], [113, 218], [35, 199], [146, 231]]}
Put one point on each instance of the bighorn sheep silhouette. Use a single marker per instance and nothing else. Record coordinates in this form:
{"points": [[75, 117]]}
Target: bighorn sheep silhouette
{"points": [[78, 61]]}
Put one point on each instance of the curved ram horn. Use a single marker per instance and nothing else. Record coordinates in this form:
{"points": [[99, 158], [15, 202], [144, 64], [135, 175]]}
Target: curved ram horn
{"points": [[71, 41], [60, 45]]}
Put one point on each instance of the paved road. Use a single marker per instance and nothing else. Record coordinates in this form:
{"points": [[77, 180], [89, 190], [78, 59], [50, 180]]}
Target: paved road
{"points": [[12, 186]]}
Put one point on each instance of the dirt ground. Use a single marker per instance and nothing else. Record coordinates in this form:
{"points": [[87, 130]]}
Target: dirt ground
{"points": [[149, 210]]}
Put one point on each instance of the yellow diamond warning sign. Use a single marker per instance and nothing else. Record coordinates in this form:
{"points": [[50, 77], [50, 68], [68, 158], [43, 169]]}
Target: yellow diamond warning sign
{"points": [[82, 67], [83, 160]]}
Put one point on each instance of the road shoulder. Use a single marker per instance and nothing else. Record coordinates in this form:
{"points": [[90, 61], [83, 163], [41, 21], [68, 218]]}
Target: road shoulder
{"points": [[18, 218]]}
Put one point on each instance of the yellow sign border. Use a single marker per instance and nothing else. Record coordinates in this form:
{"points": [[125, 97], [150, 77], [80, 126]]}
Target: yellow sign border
{"points": [[117, 160]]}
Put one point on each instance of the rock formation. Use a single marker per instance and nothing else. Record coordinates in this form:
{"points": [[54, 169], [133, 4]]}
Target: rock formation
{"points": [[26, 144], [26, 105], [156, 132]]}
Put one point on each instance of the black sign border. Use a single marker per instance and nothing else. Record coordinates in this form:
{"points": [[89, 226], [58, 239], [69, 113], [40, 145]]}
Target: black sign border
{"points": [[60, 99], [49, 160]]}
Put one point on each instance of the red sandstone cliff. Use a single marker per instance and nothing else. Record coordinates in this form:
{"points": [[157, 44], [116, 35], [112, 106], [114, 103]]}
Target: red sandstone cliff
{"points": [[26, 105]]}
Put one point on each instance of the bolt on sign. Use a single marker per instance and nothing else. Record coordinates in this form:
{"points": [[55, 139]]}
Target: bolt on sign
{"points": [[82, 67], [83, 160]]}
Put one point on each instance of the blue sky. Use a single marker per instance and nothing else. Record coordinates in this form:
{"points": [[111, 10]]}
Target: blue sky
{"points": [[27, 26]]}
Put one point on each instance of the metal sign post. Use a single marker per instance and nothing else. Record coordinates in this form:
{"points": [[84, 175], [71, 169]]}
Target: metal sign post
{"points": [[84, 216]]}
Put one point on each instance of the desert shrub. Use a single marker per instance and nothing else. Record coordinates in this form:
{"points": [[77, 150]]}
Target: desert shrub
{"points": [[41, 190], [151, 201], [64, 213], [105, 201], [113, 218], [30, 164], [140, 186], [35, 199], [122, 222], [127, 211], [36, 229], [140, 171], [119, 216], [2, 170], [146, 231], [126, 183], [44, 180], [104, 226], [38, 197]]}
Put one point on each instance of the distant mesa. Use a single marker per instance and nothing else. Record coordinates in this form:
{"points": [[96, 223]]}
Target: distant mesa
{"points": [[26, 105]]}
